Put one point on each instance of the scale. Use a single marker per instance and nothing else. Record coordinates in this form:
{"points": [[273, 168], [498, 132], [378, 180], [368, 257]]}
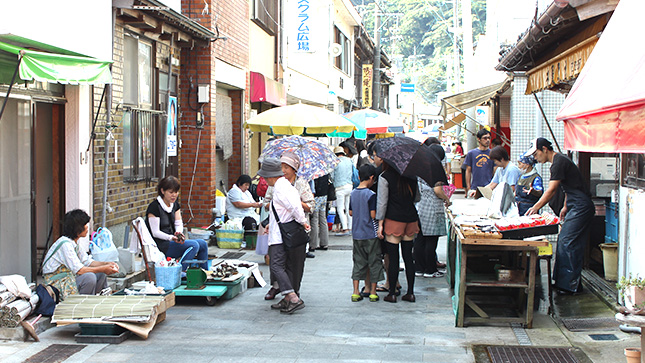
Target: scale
{"points": [[196, 284]]}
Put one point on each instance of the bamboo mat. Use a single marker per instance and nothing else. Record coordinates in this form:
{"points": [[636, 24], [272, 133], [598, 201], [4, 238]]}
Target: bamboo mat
{"points": [[134, 309]]}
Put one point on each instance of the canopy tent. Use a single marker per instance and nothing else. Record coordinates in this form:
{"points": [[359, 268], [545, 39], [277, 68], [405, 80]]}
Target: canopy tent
{"points": [[46, 63], [464, 100], [605, 110]]}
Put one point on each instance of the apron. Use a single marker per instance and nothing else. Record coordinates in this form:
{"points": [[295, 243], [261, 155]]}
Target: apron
{"points": [[572, 240]]}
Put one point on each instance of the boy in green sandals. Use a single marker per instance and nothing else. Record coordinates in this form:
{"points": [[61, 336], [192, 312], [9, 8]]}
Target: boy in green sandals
{"points": [[366, 251]]}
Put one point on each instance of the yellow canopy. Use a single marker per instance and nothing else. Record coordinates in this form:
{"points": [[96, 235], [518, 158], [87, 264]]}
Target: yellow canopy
{"points": [[300, 119]]}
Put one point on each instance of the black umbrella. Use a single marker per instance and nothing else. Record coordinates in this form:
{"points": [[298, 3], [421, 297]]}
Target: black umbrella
{"points": [[411, 158]]}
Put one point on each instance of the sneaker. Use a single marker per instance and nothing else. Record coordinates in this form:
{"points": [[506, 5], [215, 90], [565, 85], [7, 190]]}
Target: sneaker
{"points": [[436, 274], [418, 274], [105, 292]]}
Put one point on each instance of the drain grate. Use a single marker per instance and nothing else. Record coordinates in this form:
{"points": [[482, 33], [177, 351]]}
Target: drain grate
{"points": [[580, 324], [55, 353], [520, 334], [603, 337], [511, 354], [232, 255], [341, 248]]}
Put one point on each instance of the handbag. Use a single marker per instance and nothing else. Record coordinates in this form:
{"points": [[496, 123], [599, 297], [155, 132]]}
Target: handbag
{"points": [[293, 233]]}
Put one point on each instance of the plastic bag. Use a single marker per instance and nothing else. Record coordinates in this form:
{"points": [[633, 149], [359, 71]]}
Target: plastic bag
{"points": [[101, 246]]}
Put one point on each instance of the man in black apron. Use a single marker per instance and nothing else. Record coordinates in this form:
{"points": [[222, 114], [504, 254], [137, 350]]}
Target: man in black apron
{"points": [[579, 211]]}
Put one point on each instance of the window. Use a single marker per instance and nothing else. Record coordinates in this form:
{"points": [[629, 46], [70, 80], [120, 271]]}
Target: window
{"points": [[142, 146], [342, 62], [265, 15], [137, 72], [634, 170]]}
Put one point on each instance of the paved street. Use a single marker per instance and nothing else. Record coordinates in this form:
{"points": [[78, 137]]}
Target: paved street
{"points": [[330, 328]]}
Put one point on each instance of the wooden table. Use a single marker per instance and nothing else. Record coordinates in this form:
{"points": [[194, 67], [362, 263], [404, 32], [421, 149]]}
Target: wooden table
{"points": [[634, 320], [528, 250]]}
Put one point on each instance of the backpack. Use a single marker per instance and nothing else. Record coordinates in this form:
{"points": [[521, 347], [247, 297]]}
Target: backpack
{"points": [[355, 179]]}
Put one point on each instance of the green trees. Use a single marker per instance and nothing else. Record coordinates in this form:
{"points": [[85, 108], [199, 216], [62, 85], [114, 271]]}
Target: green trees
{"points": [[420, 40]]}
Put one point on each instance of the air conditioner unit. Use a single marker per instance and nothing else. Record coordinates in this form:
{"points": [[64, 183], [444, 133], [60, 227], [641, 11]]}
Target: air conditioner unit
{"points": [[335, 50]]}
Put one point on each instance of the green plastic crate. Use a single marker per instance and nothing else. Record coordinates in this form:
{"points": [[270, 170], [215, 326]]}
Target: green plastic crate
{"points": [[251, 240], [233, 288], [101, 329]]}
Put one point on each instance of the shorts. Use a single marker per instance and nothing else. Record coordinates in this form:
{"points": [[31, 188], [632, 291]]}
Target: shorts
{"points": [[400, 229]]}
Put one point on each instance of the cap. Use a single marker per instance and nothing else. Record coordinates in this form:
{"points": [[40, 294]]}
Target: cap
{"points": [[528, 159], [271, 168], [339, 150], [538, 144], [290, 158]]}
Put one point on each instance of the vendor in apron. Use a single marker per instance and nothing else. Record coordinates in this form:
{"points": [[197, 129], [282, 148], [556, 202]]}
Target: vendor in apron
{"points": [[578, 209]]}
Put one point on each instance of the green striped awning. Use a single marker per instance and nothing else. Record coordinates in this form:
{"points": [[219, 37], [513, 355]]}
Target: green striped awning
{"points": [[46, 63]]}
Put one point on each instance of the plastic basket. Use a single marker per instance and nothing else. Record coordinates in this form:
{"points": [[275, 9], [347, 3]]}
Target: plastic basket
{"points": [[168, 277], [230, 238]]}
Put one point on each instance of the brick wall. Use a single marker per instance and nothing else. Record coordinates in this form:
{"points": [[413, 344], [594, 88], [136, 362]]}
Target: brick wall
{"points": [[231, 19], [127, 199]]}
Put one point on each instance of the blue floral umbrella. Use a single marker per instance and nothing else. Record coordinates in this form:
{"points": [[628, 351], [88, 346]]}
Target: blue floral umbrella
{"points": [[316, 159]]}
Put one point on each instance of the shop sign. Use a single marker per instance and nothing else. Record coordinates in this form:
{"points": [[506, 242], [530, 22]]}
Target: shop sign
{"points": [[303, 26], [367, 85], [562, 68]]}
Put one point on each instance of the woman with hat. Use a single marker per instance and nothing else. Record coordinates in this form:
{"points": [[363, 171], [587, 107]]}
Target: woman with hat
{"points": [[286, 265], [529, 187], [342, 179], [290, 163]]}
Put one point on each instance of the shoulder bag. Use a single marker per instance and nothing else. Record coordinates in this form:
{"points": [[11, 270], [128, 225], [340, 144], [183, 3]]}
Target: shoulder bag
{"points": [[293, 233], [63, 278]]}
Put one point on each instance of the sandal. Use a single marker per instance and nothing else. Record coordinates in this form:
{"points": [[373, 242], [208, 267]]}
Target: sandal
{"points": [[381, 288], [373, 298], [356, 298], [364, 293]]}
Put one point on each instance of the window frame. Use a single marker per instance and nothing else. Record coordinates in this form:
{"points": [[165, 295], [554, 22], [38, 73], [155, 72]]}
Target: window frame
{"points": [[343, 61], [265, 14], [141, 123]]}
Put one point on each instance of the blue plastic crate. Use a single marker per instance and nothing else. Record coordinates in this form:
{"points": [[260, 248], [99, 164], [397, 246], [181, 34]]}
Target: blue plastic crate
{"points": [[611, 222]]}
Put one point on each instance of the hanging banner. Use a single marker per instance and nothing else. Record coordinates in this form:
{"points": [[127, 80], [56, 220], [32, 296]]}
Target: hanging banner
{"points": [[367, 85], [171, 133], [303, 25]]}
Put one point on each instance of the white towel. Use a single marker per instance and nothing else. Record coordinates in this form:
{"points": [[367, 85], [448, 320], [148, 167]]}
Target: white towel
{"points": [[17, 285], [152, 252]]}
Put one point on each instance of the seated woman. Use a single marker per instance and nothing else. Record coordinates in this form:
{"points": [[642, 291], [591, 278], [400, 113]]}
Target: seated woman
{"points": [[163, 218], [240, 203], [68, 270]]}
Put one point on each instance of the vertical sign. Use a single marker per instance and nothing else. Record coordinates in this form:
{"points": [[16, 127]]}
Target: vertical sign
{"points": [[171, 133], [303, 26], [367, 85]]}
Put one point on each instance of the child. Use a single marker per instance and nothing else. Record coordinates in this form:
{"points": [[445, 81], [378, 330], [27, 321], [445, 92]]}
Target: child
{"points": [[367, 248]]}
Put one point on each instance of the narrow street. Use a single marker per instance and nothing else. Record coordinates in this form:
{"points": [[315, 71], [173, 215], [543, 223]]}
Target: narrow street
{"points": [[329, 328]]}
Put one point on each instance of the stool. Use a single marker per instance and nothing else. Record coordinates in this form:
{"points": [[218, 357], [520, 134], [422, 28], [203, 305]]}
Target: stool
{"points": [[546, 253]]}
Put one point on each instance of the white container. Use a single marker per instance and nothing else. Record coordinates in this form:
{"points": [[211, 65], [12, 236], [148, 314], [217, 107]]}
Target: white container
{"points": [[220, 204]]}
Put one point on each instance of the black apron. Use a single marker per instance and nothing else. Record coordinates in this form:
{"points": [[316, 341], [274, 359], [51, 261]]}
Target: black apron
{"points": [[573, 239]]}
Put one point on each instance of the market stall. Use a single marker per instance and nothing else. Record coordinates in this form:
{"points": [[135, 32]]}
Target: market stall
{"points": [[491, 266]]}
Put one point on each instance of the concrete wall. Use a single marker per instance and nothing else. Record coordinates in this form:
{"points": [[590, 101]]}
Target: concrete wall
{"points": [[631, 248], [262, 55]]}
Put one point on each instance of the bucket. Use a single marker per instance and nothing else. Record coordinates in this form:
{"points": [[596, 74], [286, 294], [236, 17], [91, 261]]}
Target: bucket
{"points": [[633, 355], [610, 260], [169, 277]]}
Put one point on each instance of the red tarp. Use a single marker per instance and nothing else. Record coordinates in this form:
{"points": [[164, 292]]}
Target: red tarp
{"points": [[605, 110]]}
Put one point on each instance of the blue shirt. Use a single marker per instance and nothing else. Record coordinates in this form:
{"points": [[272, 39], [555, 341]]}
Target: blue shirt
{"points": [[510, 174], [482, 167], [361, 202], [343, 172]]}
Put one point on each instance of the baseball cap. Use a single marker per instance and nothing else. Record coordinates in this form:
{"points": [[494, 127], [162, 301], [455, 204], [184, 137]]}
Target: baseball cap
{"points": [[537, 144]]}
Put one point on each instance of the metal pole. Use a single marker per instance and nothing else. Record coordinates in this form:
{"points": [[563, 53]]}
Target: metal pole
{"points": [[455, 49], [376, 90], [108, 122], [547, 123]]}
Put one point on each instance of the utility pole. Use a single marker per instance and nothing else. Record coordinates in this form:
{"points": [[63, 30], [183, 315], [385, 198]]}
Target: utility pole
{"points": [[455, 49], [376, 81]]}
